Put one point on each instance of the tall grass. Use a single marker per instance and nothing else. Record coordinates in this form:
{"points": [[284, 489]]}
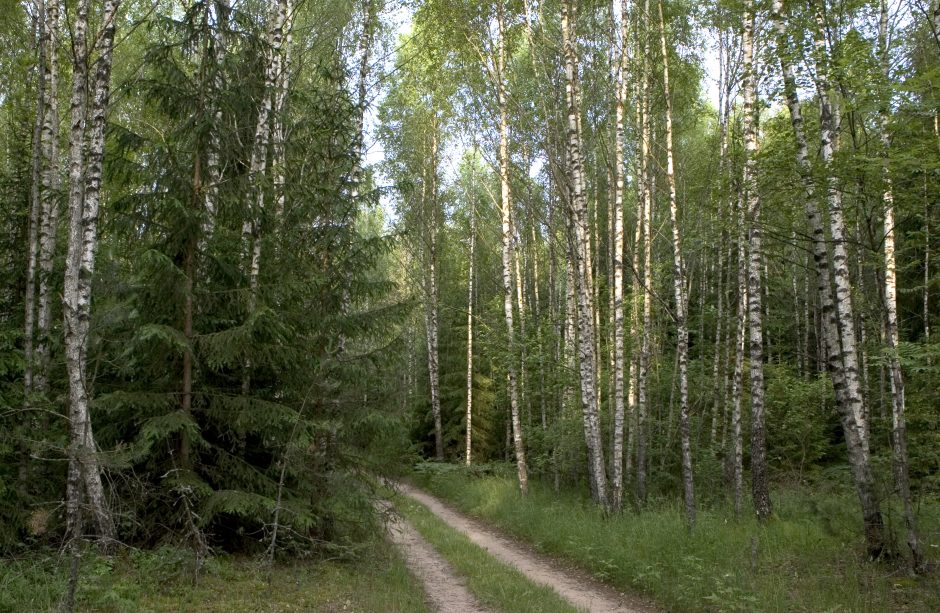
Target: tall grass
{"points": [[162, 580], [809, 557]]}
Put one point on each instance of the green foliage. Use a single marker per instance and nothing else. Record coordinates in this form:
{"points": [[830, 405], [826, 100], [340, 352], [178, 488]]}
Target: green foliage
{"points": [[803, 559], [164, 579]]}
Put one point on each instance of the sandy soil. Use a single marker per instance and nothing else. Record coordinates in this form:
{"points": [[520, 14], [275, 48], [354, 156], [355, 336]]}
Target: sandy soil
{"points": [[446, 591], [573, 585]]}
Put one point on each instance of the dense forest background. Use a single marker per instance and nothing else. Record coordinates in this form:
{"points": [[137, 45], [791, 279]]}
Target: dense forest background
{"points": [[253, 253]]}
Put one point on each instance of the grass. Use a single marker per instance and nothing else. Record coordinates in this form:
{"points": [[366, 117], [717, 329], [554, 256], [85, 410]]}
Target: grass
{"points": [[809, 557], [495, 584], [162, 580]]}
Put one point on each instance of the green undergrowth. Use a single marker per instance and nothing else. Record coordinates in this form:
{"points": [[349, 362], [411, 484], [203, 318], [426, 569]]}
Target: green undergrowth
{"points": [[162, 580], [496, 585], [809, 557]]}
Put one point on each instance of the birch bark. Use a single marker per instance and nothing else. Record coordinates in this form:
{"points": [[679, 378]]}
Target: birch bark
{"points": [[473, 239], [431, 299], [51, 192], [217, 12], [679, 289], [86, 153], [508, 239], [759, 486], [35, 205], [583, 276], [831, 345], [845, 311], [616, 475], [898, 422], [258, 164], [647, 197], [736, 458]]}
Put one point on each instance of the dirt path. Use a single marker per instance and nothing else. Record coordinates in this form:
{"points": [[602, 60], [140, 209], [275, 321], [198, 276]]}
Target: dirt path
{"points": [[446, 591], [575, 586]]}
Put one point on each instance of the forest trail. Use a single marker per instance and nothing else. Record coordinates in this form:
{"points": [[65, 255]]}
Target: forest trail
{"points": [[575, 586], [446, 592]]}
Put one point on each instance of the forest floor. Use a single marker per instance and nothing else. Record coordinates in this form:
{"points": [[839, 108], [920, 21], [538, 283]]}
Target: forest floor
{"points": [[573, 585]]}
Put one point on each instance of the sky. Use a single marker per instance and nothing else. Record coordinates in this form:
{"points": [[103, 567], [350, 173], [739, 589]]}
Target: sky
{"points": [[399, 19]]}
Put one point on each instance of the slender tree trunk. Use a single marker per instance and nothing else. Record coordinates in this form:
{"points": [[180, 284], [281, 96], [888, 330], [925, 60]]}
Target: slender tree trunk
{"points": [[927, 262], [217, 15], [473, 239], [759, 486], [85, 162], [643, 361], [505, 214], [679, 287], [898, 422], [831, 344], [279, 127], [432, 299], [251, 228], [616, 474], [845, 311], [50, 194], [35, 204], [636, 297], [736, 457], [583, 277]]}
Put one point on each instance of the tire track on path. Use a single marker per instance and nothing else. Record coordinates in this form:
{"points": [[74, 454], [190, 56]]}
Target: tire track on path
{"points": [[574, 586], [446, 591]]}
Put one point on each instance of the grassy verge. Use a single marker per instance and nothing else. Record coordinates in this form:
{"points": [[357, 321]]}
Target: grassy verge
{"points": [[162, 580], [495, 584], [808, 558]]}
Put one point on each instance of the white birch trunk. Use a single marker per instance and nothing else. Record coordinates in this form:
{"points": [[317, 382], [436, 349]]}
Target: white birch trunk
{"points": [[898, 422], [583, 276], [35, 204], [679, 289], [473, 238], [616, 475], [647, 196], [85, 163], [759, 486], [736, 457], [251, 228], [845, 311], [430, 204], [51, 191], [508, 239], [218, 10], [831, 345]]}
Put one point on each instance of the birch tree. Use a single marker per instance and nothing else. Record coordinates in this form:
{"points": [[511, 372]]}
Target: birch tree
{"points": [[580, 249], [35, 202], [473, 241], [646, 196], [258, 164], [429, 202], [616, 473], [833, 345], [50, 192], [505, 203], [759, 486], [679, 289], [898, 421], [86, 153]]}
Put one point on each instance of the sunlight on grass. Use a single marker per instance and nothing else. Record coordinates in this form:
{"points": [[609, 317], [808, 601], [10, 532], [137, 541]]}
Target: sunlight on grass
{"points": [[809, 557]]}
